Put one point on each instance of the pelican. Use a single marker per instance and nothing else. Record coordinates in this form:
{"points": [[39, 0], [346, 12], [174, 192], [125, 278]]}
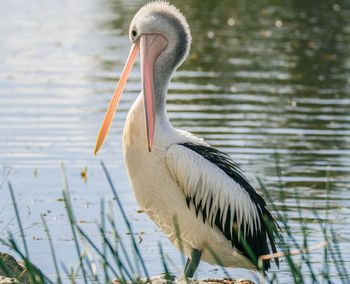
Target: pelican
{"points": [[220, 218]]}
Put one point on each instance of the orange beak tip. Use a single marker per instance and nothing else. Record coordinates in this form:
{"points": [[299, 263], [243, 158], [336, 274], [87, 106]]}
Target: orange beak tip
{"points": [[115, 99], [96, 150]]}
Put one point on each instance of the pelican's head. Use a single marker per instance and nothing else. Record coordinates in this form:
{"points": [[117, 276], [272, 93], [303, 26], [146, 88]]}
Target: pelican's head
{"points": [[161, 34], [167, 26]]}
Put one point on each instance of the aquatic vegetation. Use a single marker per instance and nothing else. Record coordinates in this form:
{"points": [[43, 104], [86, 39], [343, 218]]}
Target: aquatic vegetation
{"points": [[116, 263]]}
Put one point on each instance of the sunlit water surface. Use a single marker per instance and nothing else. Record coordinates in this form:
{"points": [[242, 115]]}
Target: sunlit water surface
{"points": [[262, 77]]}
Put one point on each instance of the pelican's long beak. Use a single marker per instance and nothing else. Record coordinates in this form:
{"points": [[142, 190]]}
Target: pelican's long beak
{"points": [[115, 99], [151, 46]]}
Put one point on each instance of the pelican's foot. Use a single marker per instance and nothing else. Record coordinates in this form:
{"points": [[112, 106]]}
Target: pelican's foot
{"points": [[192, 263]]}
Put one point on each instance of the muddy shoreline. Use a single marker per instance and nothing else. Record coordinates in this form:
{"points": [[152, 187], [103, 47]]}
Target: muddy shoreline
{"points": [[17, 273]]}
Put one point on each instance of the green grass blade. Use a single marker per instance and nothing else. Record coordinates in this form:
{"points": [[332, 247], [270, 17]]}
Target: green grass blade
{"points": [[58, 278], [117, 258], [19, 220], [104, 266], [72, 221], [118, 240], [178, 236], [165, 266], [218, 260], [97, 250], [125, 220]]}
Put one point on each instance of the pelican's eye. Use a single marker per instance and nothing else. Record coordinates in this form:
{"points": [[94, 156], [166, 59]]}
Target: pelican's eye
{"points": [[134, 33]]}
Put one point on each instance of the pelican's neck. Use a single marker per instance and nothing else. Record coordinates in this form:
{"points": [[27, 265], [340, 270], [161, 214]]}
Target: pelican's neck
{"points": [[161, 91], [164, 67], [161, 117], [166, 64], [162, 76]]}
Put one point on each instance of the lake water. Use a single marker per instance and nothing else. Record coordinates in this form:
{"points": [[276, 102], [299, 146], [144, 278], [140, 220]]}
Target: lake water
{"points": [[262, 77]]}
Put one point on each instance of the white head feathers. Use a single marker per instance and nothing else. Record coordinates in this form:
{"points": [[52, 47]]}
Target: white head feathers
{"points": [[165, 19]]}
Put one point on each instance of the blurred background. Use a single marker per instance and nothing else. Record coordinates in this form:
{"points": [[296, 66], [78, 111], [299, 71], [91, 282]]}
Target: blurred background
{"points": [[262, 77]]}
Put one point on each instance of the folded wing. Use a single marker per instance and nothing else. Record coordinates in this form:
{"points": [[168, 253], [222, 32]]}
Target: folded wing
{"points": [[214, 185]]}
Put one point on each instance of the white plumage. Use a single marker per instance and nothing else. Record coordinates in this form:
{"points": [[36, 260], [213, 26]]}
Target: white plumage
{"points": [[201, 179], [161, 181], [179, 175]]}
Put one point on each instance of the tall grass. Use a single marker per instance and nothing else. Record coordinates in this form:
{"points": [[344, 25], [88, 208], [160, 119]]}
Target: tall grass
{"points": [[302, 267], [117, 263]]}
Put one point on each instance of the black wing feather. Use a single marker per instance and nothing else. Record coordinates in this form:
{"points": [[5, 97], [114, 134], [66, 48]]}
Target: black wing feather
{"points": [[257, 240]]}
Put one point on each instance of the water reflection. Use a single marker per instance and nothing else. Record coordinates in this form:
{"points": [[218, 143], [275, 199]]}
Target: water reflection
{"points": [[261, 75], [267, 75]]}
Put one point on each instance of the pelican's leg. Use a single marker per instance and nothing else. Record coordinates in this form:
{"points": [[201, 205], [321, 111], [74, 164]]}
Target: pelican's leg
{"points": [[192, 263]]}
